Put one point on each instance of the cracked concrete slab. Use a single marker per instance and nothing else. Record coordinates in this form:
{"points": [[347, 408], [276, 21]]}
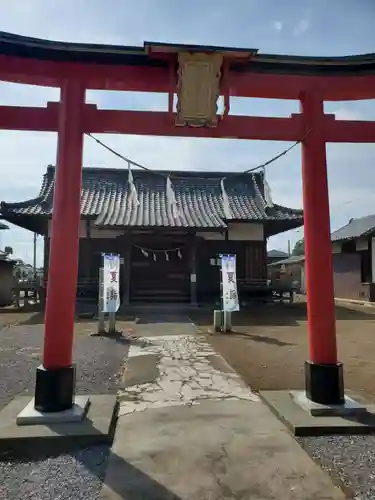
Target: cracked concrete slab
{"points": [[190, 429], [141, 370], [177, 370], [233, 450]]}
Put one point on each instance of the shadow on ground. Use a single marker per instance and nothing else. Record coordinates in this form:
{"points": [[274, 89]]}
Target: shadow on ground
{"points": [[136, 484], [93, 461], [279, 315], [148, 318], [34, 315], [275, 314], [259, 338], [268, 346]]}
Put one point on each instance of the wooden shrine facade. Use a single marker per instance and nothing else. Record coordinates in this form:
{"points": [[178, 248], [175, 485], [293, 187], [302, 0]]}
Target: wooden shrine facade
{"points": [[164, 259], [197, 75]]}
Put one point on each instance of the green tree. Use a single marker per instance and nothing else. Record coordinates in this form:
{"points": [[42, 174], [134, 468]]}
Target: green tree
{"points": [[299, 247], [8, 250]]}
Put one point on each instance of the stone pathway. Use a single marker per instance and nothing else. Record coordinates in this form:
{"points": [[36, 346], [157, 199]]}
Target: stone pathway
{"points": [[190, 429], [177, 370]]}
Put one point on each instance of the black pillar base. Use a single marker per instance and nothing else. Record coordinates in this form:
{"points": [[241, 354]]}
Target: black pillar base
{"points": [[324, 383], [55, 389]]}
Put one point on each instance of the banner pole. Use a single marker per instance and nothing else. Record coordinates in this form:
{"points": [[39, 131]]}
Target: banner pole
{"points": [[101, 322], [221, 293], [112, 322]]}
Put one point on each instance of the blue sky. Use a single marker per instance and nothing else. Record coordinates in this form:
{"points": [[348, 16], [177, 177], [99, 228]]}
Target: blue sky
{"points": [[303, 27]]}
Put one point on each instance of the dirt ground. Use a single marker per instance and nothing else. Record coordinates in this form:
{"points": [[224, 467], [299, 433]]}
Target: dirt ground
{"points": [[268, 346], [31, 315]]}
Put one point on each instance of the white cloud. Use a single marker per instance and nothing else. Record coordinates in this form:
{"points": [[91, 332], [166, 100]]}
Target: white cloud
{"points": [[278, 25], [347, 114], [301, 27]]}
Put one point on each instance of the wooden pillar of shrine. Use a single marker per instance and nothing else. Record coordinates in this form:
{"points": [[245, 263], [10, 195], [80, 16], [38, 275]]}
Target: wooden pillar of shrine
{"points": [[193, 270], [126, 255]]}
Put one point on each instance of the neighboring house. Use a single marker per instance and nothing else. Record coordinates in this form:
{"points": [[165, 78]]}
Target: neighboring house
{"points": [[6, 275], [353, 261], [6, 279], [353, 247], [289, 270], [164, 258], [23, 271], [276, 255]]}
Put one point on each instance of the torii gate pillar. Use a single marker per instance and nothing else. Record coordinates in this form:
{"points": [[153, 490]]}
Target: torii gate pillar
{"points": [[55, 379], [324, 374]]}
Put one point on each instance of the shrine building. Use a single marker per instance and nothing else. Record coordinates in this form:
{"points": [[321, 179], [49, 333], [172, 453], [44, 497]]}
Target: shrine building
{"points": [[165, 258]]}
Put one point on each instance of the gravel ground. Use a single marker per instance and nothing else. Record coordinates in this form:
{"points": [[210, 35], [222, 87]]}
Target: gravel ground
{"points": [[350, 459], [98, 360], [71, 476], [79, 475], [75, 476]]}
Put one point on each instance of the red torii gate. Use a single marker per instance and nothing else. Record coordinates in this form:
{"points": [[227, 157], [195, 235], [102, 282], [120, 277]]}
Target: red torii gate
{"points": [[177, 69]]}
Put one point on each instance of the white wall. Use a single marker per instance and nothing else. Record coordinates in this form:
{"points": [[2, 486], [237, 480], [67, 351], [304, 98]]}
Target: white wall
{"points": [[361, 245], [242, 231], [236, 231], [105, 233], [336, 247], [82, 229]]}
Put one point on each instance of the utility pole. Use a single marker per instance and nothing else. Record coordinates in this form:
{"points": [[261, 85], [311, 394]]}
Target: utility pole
{"points": [[289, 247]]}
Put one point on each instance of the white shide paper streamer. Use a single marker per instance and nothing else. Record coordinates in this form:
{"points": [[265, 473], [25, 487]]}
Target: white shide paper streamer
{"points": [[226, 206], [267, 191], [133, 198], [171, 198]]}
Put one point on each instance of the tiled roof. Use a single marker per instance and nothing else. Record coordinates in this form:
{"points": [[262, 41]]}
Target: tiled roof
{"points": [[276, 254], [293, 259], [105, 196], [355, 229]]}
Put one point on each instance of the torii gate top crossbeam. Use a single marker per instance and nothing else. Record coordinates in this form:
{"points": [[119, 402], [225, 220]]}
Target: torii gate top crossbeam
{"points": [[151, 68]]}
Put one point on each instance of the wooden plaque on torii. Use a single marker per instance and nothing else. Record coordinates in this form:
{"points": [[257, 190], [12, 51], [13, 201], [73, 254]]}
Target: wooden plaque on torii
{"points": [[198, 89]]}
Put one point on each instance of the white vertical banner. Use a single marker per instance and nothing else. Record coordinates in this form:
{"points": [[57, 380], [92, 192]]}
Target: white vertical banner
{"points": [[111, 282], [229, 283]]}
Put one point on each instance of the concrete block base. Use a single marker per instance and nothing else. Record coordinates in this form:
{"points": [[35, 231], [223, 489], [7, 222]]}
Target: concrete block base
{"points": [[30, 416], [218, 320], [227, 321], [349, 407], [301, 422], [51, 437]]}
